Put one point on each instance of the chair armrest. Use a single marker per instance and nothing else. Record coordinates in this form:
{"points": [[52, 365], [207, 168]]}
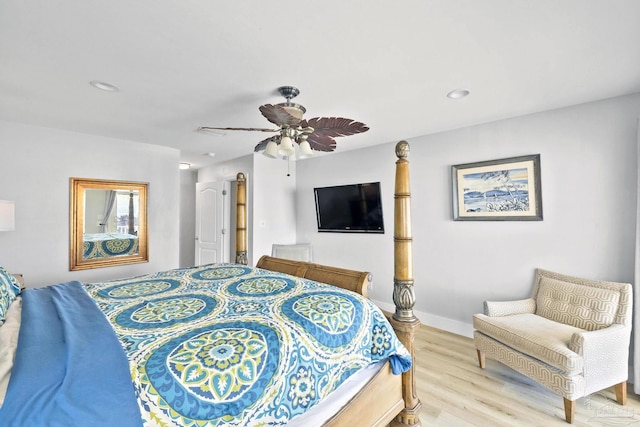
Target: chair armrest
{"points": [[605, 353], [506, 308], [601, 342]]}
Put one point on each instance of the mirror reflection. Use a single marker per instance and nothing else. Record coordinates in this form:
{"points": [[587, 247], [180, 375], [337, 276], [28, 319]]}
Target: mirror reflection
{"points": [[108, 223]]}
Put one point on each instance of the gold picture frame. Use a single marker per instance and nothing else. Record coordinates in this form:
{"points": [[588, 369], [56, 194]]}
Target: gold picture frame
{"points": [[98, 239]]}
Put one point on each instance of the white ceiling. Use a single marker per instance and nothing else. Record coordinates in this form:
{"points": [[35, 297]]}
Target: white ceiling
{"points": [[181, 64]]}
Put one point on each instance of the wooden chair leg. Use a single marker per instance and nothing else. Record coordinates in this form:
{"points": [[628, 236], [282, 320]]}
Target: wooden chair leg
{"points": [[481, 358], [621, 393], [569, 409]]}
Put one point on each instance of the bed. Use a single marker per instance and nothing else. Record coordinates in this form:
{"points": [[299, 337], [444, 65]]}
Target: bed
{"points": [[105, 245], [196, 346]]}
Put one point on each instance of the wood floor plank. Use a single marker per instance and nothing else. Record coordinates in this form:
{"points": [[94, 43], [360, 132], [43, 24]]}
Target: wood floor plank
{"points": [[455, 392]]}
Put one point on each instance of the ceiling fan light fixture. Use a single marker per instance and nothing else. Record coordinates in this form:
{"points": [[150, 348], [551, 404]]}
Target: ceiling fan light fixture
{"points": [[305, 150], [271, 150], [286, 146]]}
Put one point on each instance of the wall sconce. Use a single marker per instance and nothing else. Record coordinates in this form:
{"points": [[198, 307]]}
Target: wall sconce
{"points": [[7, 216]]}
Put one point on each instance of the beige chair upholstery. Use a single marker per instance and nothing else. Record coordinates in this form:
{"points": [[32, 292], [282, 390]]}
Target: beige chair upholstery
{"points": [[296, 252], [572, 336]]}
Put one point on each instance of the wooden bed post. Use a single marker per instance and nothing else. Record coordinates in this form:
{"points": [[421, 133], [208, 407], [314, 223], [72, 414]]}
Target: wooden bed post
{"points": [[241, 220], [131, 222], [403, 320]]}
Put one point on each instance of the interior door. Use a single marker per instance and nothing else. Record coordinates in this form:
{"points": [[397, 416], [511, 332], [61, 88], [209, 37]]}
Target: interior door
{"points": [[210, 222]]}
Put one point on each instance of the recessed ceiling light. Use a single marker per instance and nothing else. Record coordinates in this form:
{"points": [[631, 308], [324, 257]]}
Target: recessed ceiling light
{"points": [[210, 154], [107, 87], [185, 166], [458, 93]]}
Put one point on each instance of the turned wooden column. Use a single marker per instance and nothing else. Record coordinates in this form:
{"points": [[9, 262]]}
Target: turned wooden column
{"points": [[241, 220], [403, 320]]}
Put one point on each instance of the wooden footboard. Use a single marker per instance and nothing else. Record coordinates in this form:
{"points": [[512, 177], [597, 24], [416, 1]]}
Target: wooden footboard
{"points": [[376, 404]]}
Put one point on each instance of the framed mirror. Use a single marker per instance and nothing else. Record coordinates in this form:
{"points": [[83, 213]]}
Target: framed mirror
{"points": [[108, 223]]}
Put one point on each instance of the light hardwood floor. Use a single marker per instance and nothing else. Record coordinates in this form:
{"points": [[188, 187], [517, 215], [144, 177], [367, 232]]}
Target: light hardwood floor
{"points": [[455, 392]]}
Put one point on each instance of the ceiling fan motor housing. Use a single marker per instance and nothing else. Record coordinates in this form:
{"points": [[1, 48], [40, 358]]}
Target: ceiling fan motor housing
{"points": [[296, 110], [289, 92]]}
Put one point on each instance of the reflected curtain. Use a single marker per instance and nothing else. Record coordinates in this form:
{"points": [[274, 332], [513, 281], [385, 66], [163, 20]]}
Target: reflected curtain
{"points": [[636, 279], [108, 207]]}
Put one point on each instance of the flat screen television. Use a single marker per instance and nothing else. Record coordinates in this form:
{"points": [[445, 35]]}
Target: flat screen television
{"points": [[355, 208]]}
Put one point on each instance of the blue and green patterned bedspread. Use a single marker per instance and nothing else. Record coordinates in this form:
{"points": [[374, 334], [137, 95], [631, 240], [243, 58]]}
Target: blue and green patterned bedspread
{"points": [[106, 245], [229, 345]]}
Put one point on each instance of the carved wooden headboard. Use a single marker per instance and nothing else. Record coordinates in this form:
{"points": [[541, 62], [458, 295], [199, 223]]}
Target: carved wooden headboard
{"points": [[356, 281]]}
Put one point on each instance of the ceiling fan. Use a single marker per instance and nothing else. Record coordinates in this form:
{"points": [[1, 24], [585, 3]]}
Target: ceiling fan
{"points": [[316, 134]]}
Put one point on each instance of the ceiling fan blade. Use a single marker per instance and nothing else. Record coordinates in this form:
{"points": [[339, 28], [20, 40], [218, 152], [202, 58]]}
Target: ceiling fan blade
{"points": [[320, 142], [206, 128], [278, 115], [334, 126], [327, 128], [263, 144]]}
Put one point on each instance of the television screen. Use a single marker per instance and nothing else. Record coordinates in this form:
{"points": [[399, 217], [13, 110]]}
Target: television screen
{"points": [[355, 208]]}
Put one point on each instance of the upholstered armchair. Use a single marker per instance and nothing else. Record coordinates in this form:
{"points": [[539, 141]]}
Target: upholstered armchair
{"points": [[572, 336]]}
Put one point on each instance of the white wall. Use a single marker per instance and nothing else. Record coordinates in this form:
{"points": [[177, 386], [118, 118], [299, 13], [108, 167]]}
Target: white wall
{"points": [[274, 215], [271, 216], [366, 252], [188, 180], [37, 165], [588, 165]]}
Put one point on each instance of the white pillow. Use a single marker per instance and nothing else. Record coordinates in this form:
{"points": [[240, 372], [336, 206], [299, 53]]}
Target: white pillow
{"points": [[8, 344]]}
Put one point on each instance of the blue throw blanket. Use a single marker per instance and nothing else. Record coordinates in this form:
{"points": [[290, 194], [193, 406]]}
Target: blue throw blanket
{"points": [[69, 366]]}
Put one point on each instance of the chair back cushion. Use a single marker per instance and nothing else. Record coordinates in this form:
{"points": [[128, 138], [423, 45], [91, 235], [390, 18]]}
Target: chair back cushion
{"points": [[585, 307]]}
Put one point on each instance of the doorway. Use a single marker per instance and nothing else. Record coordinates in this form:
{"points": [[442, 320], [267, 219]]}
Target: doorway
{"points": [[215, 238]]}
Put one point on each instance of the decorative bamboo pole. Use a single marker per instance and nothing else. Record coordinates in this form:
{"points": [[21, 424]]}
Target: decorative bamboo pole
{"points": [[241, 220], [403, 320]]}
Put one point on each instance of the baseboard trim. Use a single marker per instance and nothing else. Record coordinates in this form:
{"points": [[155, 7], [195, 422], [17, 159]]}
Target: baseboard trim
{"points": [[454, 326]]}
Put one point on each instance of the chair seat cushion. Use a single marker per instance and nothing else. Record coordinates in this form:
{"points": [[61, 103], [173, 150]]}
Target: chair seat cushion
{"points": [[535, 336]]}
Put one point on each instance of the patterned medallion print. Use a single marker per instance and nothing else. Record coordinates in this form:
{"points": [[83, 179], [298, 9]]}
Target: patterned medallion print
{"points": [[247, 307], [328, 316], [137, 289], [120, 246], [381, 340], [219, 273], [302, 388], [166, 311], [261, 286], [87, 249], [224, 368]]}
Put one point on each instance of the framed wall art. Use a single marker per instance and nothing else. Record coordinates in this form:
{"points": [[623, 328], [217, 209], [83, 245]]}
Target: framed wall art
{"points": [[498, 190]]}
